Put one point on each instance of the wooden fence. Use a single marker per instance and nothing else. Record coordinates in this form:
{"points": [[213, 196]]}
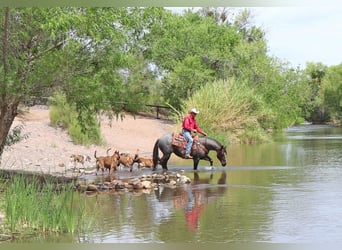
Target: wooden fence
{"points": [[33, 100]]}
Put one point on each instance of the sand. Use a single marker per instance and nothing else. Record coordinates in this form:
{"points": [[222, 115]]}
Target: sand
{"points": [[48, 149]]}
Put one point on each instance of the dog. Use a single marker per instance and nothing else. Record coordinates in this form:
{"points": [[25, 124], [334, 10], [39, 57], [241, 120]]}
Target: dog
{"points": [[76, 158], [107, 162], [143, 161], [127, 160]]}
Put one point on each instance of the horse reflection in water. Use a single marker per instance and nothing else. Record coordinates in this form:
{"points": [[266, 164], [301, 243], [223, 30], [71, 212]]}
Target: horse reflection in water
{"points": [[194, 199]]}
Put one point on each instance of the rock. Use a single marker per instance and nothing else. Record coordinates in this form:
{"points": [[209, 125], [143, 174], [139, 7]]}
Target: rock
{"points": [[172, 183], [138, 185], [118, 184], [147, 184], [92, 187], [184, 180]]}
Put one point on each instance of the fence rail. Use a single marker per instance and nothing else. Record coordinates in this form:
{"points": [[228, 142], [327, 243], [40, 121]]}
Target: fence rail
{"points": [[158, 108], [34, 100]]}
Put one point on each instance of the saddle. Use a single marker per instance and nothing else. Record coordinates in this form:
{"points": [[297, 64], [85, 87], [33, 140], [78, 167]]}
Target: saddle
{"points": [[178, 140]]}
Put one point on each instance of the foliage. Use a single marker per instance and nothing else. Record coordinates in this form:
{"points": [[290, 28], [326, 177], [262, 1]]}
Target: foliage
{"points": [[16, 135], [228, 109], [332, 83], [190, 51], [82, 52], [199, 47], [315, 109], [33, 206], [64, 115], [283, 90]]}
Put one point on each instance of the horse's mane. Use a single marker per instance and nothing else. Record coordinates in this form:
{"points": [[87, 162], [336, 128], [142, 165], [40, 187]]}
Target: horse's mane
{"points": [[213, 139]]}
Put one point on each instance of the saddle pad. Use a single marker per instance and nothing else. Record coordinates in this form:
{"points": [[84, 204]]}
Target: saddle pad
{"points": [[178, 140]]}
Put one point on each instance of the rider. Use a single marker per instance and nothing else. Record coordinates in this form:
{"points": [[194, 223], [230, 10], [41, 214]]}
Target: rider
{"points": [[190, 125]]}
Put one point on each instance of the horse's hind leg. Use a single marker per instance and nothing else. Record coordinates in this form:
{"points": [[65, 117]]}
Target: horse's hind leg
{"points": [[164, 160]]}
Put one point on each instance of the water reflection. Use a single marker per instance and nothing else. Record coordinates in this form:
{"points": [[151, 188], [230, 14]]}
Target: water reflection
{"points": [[193, 199], [142, 216]]}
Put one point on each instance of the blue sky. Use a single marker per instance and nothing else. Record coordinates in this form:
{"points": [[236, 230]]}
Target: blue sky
{"points": [[302, 34]]}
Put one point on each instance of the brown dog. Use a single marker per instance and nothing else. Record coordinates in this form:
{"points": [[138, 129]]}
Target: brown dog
{"points": [[143, 161], [107, 162], [75, 158], [127, 160]]}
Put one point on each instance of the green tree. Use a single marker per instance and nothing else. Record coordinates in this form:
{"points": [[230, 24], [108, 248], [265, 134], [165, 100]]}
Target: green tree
{"points": [[78, 51], [333, 92], [29, 36], [190, 50], [315, 109]]}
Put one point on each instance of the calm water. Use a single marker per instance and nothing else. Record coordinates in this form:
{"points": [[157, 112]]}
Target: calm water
{"points": [[289, 191]]}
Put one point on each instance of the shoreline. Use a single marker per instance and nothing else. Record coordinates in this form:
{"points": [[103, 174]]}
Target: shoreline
{"points": [[47, 150]]}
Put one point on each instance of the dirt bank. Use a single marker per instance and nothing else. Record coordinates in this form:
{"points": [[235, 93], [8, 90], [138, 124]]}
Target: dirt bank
{"points": [[48, 149]]}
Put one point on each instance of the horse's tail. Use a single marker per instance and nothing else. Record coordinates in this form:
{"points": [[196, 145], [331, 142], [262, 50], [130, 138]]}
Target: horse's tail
{"points": [[156, 155]]}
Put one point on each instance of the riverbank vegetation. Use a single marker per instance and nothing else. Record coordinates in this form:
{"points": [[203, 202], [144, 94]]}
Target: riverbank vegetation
{"points": [[32, 207], [115, 59], [64, 115]]}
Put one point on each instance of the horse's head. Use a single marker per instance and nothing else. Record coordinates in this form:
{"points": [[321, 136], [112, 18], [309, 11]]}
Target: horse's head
{"points": [[221, 155]]}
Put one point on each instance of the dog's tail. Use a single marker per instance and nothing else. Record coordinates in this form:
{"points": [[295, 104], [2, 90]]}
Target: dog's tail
{"points": [[155, 155], [95, 154], [108, 151]]}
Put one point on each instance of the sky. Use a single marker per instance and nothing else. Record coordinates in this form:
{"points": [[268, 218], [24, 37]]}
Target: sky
{"points": [[302, 34], [298, 35]]}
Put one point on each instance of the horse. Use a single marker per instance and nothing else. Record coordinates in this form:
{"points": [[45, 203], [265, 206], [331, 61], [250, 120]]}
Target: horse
{"points": [[205, 145]]}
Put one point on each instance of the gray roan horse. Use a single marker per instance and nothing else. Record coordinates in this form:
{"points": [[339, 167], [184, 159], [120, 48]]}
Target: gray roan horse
{"points": [[206, 144]]}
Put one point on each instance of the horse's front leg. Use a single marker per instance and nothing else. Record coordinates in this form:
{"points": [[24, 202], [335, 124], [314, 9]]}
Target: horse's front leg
{"points": [[196, 161], [207, 158]]}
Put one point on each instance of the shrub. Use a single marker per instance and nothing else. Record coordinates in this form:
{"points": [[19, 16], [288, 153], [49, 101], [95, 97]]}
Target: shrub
{"points": [[231, 111], [64, 115]]}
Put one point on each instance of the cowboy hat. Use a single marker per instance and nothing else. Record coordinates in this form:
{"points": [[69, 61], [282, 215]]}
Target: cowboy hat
{"points": [[194, 110]]}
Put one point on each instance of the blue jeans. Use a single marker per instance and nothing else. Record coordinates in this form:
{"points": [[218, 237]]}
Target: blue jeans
{"points": [[189, 140]]}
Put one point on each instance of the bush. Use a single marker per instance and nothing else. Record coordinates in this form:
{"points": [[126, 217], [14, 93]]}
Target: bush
{"points": [[15, 135], [231, 111], [64, 115]]}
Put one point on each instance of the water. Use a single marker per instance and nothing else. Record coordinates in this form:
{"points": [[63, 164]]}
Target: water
{"points": [[289, 191]]}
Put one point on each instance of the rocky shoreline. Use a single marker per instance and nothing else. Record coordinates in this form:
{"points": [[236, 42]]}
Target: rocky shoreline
{"points": [[145, 183]]}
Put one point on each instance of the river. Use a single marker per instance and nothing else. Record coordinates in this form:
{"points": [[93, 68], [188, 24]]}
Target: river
{"points": [[288, 191]]}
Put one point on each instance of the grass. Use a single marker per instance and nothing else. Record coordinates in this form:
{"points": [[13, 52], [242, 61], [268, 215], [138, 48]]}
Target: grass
{"points": [[35, 207], [231, 112]]}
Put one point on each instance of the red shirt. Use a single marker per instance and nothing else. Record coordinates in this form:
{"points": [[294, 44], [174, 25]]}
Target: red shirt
{"points": [[190, 123]]}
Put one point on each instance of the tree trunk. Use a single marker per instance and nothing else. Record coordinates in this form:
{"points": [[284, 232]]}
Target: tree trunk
{"points": [[7, 115]]}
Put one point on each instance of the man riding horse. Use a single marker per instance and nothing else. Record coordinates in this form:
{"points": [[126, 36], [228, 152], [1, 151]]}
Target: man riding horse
{"points": [[173, 143], [189, 126]]}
